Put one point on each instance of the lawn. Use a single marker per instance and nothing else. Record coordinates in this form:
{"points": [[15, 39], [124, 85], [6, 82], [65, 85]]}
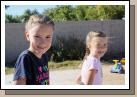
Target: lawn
{"points": [[73, 64], [54, 66]]}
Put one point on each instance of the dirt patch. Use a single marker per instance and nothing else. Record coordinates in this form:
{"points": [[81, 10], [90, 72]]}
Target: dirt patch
{"points": [[67, 77]]}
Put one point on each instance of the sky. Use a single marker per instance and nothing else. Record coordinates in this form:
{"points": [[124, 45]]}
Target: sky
{"points": [[19, 9]]}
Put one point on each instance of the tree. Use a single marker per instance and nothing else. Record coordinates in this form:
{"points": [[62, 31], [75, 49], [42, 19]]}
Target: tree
{"points": [[60, 13], [110, 11], [7, 6], [11, 19], [86, 12], [27, 14], [91, 13], [20, 19], [75, 13]]}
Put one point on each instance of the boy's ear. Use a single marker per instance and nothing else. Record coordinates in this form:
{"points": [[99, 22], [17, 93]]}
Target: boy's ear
{"points": [[27, 35]]}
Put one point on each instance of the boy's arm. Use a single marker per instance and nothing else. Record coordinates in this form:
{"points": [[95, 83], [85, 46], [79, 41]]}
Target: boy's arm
{"points": [[21, 81]]}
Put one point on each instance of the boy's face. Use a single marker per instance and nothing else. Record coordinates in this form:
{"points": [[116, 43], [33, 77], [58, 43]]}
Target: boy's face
{"points": [[99, 46], [40, 38]]}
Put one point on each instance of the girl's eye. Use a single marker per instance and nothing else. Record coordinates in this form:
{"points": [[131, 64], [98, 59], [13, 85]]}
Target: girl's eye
{"points": [[102, 46], [37, 36]]}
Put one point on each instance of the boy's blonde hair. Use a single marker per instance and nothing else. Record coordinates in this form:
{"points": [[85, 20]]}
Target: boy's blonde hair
{"points": [[89, 37], [38, 19]]}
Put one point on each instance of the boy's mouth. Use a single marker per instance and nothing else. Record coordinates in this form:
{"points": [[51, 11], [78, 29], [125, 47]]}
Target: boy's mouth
{"points": [[41, 47]]}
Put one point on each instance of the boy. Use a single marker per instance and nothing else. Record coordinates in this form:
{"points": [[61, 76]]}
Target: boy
{"points": [[31, 67]]}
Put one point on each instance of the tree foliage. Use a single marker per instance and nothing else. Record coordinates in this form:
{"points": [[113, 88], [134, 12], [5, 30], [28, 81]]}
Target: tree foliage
{"points": [[75, 13], [27, 14], [12, 19], [7, 6]]}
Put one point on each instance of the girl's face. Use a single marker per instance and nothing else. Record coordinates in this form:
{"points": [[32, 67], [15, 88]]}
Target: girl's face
{"points": [[98, 46], [40, 38]]}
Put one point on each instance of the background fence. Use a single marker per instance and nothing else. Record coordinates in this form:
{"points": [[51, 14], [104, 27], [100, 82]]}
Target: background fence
{"points": [[16, 42]]}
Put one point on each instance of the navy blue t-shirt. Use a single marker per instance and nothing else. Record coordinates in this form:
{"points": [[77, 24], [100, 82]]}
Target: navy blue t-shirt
{"points": [[34, 69]]}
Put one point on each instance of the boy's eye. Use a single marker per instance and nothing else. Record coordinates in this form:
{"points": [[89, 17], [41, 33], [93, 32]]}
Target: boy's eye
{"points": [[105, 45], [48, 37]]}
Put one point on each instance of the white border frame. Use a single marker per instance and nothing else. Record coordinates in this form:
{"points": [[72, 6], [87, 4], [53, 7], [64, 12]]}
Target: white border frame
{"points": [[4, 86]]}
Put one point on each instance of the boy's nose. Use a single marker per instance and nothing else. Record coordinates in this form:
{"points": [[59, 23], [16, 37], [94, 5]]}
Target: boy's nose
{"points": [[43, 41]]}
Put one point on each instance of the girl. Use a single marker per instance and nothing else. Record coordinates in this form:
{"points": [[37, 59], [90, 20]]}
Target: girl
{"points": [[96, 47]]}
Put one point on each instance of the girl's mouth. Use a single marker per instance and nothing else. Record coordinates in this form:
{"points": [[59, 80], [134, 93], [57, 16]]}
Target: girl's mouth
{"points": [[100, 52]]}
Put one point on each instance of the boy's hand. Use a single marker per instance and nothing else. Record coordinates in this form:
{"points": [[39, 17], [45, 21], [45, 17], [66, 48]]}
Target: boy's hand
{"points": [[21, 81]]}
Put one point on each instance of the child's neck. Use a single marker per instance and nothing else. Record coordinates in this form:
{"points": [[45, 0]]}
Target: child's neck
{"points": [[95, 56], [35, 53]]}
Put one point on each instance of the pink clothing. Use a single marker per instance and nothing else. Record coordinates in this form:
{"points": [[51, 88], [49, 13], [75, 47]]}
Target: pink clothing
{"points": [[92, 63]]}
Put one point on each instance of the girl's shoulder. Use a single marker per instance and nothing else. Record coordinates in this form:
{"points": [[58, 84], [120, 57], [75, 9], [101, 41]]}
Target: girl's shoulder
{"points": [[92, 62], [92, 59]]}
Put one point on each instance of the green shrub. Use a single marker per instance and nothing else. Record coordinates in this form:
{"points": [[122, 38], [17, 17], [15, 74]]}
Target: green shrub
{"points": [[66, 49]]}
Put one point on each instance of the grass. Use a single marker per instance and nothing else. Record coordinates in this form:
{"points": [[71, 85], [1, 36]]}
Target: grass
{"points": [[9, 70], [73, 64], [64, 64], [107, 62], [54, 66]]}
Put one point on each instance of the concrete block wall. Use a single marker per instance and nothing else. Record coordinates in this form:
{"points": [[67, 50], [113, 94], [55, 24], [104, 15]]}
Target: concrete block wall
{"points": [[15, 41]]}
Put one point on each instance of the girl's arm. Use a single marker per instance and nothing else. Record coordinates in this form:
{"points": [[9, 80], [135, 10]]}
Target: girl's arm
{"points": [[78, 79], [90, 77], [21, 81]]}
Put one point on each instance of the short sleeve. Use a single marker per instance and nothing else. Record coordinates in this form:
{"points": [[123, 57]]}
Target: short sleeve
{"points": [[93, 64], [21, 67]]}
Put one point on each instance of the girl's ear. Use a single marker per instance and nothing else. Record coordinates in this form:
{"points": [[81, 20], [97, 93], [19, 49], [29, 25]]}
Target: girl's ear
{"points": [[27, 35], [88, 45]]}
